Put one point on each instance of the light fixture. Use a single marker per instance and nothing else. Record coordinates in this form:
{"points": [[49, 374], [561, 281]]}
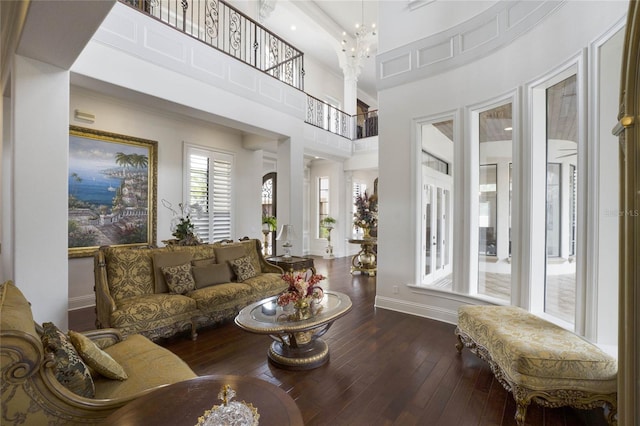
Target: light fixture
{"points": [[363, 34], [286, 234], [508, 129], [84, 116]]}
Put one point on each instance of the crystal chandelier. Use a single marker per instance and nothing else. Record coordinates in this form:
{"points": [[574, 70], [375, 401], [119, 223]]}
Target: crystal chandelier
{"points": [[363, 35]]}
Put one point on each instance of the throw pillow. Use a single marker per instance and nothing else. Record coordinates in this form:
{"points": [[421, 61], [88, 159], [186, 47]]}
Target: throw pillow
{"points": [[243, 267], [203, 262], [167, 259], [179, 278], [211, 274], [96, 358], [69, 368], [228, 253]]}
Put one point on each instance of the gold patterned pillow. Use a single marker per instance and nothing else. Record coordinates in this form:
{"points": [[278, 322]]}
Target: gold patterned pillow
{"points": [[96, 358], [179, 278], [243, 267], [69, 368]]}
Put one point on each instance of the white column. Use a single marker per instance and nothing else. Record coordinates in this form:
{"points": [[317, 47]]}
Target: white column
{"points": [[290, 190], [503, 211], [351, 68], [40, 123]]}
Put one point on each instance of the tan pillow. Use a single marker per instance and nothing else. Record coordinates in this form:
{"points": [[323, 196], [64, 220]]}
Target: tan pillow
{"points": [[211, 274], [203, 262], [179, 278], [225, 254], [243, 268], [96, 358], [161, 260]]}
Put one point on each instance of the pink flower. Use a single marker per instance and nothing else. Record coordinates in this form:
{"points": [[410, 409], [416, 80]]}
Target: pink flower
{"points": [[300, 288]]}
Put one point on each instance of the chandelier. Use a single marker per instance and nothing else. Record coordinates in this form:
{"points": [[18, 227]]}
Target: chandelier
{"points": [[363, 37]]}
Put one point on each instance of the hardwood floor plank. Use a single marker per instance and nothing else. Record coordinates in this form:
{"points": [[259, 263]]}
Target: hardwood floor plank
{"points": [[385, 368]]}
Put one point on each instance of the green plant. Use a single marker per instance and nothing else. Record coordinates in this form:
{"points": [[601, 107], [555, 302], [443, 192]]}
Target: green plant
{"points": [[271, 221], [328, 221]]}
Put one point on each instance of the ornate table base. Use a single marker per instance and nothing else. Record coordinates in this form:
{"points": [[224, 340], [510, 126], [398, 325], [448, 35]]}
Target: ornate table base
{"points": [[365, 260], [306, 357]]}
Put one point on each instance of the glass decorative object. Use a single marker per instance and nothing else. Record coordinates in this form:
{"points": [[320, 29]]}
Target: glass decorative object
{"points": [[230, 413]]}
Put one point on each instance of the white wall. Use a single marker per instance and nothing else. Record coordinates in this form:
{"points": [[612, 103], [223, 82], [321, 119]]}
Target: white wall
{"points": [[535, 53], [170, 131], [402, 23]]}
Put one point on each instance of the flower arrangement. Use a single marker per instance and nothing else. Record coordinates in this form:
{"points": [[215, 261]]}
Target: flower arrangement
{"points": [[301, 293], [366, 214], [181, 226]]}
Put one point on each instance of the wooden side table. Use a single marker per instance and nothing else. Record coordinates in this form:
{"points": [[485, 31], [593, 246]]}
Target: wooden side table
{"points": [[183, 402], [293, 263], [365, 261]]}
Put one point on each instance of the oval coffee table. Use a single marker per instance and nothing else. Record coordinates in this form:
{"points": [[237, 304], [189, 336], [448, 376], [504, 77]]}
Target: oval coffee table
{"points": [[297, 344], [184, 402]]}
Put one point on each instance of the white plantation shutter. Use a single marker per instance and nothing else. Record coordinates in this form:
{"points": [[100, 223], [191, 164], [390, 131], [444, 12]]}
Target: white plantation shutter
{"points": [[209, 184]]}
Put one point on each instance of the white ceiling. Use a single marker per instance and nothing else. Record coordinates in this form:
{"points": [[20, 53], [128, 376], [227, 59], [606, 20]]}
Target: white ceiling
{"points": [[318, 31]]}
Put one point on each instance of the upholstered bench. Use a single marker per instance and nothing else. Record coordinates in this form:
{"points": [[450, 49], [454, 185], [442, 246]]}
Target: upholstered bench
{"points": [[539, 361]]}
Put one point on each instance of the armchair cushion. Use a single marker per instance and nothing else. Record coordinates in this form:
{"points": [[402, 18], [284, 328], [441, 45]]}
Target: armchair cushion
{"points": [[69, 368], [96, 358]]}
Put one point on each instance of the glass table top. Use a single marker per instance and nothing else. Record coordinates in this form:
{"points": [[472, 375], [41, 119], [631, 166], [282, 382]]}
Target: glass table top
{"points": [[266, 316]]}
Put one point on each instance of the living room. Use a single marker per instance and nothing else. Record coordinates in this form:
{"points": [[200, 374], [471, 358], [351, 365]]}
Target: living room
{"points": [[398, 283]]}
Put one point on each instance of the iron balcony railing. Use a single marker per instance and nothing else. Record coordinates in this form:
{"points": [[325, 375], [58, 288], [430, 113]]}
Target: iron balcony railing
{"points": [[223, 27], [330, 118]]}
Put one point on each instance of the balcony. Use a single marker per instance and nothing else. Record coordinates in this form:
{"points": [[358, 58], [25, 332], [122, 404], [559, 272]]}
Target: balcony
{"points": [[228, 30]]}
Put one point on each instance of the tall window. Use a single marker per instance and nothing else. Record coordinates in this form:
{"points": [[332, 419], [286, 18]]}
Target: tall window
{"points": [[561, 214], [495, 144], [323, 204], [209, 184]]}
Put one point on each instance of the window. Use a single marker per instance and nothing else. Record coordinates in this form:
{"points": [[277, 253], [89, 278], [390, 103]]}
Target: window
{"points": [[495, 145], [209, 184], [323, 204]]}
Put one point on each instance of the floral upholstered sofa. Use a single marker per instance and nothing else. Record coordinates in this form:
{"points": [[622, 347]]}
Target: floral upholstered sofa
{"points": [[47, 380], [159, 292]]}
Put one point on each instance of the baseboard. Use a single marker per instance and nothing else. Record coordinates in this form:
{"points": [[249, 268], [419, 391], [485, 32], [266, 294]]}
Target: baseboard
{"points": [[82, 302], [432, 312]]}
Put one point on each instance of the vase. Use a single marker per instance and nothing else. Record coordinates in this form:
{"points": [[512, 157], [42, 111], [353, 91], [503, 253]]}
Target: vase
{"points": [[302, 310], [366, 232]]}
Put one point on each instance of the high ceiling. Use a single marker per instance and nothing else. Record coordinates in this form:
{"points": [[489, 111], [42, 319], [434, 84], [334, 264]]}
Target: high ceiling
{"points": [[318, 31]]}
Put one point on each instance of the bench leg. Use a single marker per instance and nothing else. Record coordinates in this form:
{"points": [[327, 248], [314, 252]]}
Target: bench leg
{"points": [[459, 345], [194, 327], [521, 412]]}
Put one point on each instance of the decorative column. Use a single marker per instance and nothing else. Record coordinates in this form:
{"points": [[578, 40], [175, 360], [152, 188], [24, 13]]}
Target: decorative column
{"points": [[290, 190]]}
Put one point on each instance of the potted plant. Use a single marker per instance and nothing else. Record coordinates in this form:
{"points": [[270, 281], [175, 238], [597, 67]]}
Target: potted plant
{"points": [[269, 223], [328, 223]]}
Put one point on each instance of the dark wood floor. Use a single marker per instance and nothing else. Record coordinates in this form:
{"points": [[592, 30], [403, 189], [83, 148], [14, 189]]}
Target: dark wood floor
{"points": [[386, 368]]}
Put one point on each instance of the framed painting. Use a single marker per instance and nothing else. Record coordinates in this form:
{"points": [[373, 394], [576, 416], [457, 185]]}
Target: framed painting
{"points": [[112, 191]]}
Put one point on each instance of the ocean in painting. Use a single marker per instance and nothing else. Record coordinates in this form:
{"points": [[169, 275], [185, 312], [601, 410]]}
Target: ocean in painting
{"points": [[94, 186]]}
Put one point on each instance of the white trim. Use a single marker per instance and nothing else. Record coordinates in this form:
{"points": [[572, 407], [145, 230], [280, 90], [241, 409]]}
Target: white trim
{"points": [[82, 302]]}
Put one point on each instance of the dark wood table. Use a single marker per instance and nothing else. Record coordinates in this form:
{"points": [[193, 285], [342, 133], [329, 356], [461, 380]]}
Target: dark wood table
{"points": [[183, 402], [293, 264]]}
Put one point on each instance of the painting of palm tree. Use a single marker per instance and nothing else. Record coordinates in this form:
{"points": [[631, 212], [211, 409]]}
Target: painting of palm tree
{"points": [[112, 190]]}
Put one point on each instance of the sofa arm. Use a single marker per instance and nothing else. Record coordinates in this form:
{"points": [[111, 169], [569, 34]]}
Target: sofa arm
{"points": [[104, 337], [265, 266], [105, 304]]}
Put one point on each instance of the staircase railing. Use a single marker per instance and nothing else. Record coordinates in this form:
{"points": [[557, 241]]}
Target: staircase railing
{"points": [[225, 28]]}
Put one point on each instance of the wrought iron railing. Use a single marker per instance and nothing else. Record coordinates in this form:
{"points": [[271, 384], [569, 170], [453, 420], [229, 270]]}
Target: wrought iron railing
{"points": [[367, 124], [223, 27], [328, 117]]}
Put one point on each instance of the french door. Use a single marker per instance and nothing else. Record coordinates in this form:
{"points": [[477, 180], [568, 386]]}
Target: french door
{"points": [[436, 226]]}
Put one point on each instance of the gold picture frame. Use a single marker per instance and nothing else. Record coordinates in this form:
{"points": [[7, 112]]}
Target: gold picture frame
{"points": [[112, 191]]}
